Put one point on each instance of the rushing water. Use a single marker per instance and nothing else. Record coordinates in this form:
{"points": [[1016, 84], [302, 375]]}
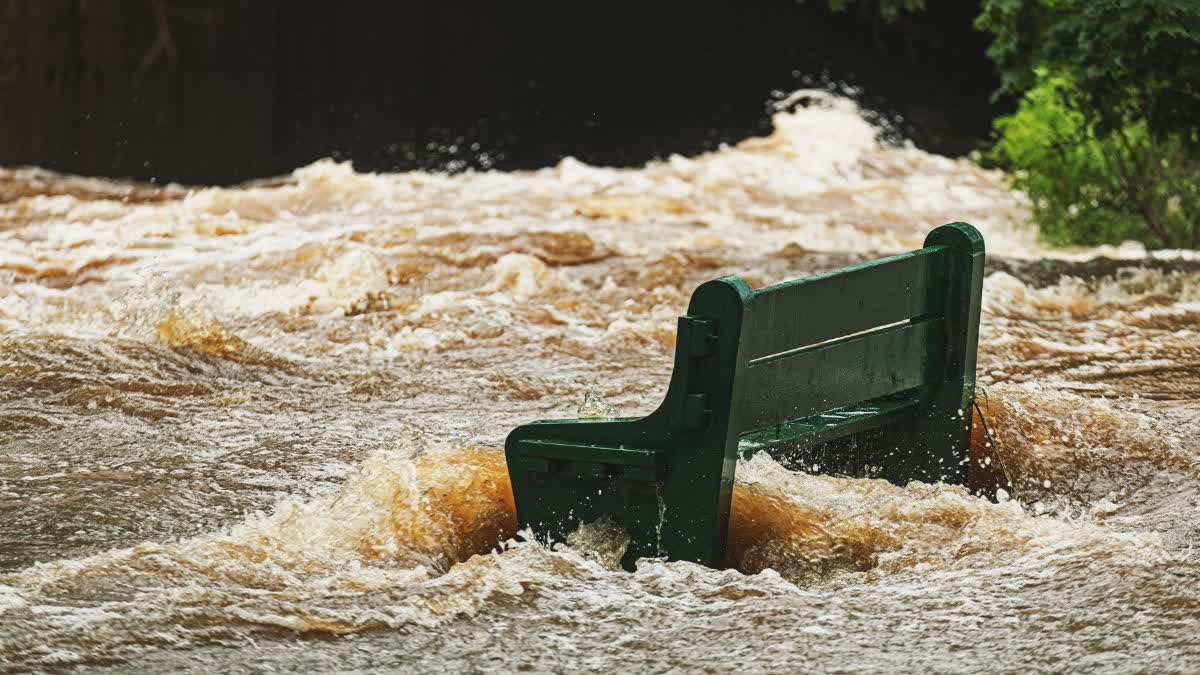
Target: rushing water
{"points": [[259, 428]]}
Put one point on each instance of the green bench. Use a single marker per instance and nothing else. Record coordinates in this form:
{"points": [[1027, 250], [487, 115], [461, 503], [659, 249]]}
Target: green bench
{"points": [[868, 370]]}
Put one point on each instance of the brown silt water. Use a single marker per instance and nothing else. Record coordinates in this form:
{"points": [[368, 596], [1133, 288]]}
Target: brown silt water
{"points": [[260, 428]]}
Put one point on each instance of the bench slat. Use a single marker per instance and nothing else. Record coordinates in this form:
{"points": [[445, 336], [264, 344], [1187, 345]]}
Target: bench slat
{"points": [[592, 452], [588, 459], [837, 374], [826, 306], [828, 426]]}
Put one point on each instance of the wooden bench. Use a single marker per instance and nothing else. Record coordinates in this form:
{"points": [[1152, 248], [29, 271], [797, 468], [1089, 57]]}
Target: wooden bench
{"points": [[868, 370]]}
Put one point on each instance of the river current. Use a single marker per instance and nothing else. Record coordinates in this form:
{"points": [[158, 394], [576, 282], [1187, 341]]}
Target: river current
{"points": [[259, 428]]}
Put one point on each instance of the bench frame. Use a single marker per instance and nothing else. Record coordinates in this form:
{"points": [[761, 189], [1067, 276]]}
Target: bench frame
{"points": [[876, 359]]}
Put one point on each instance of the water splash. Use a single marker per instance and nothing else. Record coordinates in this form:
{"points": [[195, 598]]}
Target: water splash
{"points": [[595, 407], [604, 540]]}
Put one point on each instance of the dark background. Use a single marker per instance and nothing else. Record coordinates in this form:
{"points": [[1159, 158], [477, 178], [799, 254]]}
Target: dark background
{"points": [[222, 91]]}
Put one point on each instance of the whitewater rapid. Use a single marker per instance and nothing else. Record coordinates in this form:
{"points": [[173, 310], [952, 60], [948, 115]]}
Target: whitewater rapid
{"points": [[259, 427]]}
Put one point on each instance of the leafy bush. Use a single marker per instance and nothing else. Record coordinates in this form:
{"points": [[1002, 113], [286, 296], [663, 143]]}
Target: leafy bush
{"points": [[1108, 146], [890, 10], [1094, 185], [1106, 138], [1128, 59]]}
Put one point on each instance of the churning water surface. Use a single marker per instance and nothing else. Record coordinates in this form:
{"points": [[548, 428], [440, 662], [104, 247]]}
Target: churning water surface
{"points": [[259, 428]]}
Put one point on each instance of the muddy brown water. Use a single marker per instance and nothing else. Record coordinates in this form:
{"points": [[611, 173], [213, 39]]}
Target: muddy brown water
{"points": [[258, 428]]}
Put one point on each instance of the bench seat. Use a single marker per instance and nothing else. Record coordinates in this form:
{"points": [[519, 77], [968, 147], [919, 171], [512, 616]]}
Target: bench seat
{"points": [[828, 426]]}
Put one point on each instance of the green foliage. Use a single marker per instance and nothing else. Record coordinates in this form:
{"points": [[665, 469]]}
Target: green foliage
{"points": [[1108, 147], [890, 10], [1092, 184], [1128, 59]]}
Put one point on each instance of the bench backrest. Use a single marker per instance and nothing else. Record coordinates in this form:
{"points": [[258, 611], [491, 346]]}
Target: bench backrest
{"points": [[880, 354], [844, 337]]}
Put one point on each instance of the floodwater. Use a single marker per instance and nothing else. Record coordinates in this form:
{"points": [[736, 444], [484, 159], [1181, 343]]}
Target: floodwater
{"points": [[258, 428]]}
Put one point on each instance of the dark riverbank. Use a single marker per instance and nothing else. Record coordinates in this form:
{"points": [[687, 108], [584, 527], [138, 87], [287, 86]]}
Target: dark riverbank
{"points": [[223, 91]]}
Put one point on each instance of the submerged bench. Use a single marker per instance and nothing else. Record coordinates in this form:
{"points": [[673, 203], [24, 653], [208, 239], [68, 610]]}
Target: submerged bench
{"points": [[868, 370]]}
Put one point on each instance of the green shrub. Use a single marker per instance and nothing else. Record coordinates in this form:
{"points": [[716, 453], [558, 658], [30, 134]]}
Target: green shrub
{"points": [[1090, 186], [1108, 147], [890, 10], [1128, 59]]}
